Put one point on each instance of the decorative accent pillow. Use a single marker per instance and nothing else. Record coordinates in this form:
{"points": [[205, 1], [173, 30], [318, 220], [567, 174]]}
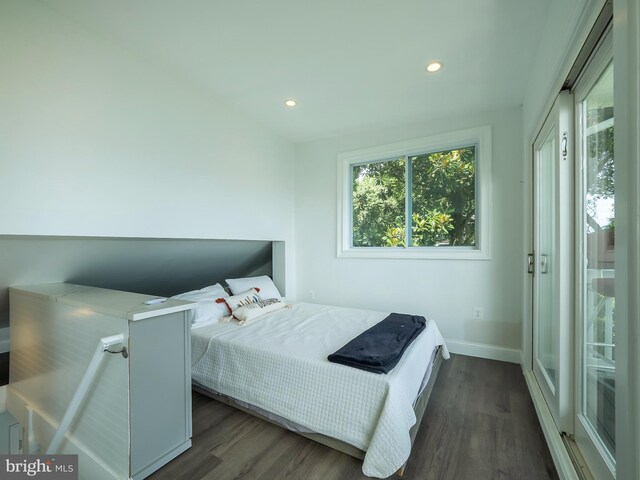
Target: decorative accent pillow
{"points": [[244, 298], [208, 309], [250, 305], [263, 283]]}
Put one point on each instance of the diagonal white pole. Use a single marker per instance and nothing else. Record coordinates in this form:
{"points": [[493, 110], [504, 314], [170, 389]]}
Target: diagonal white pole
{"points": [[82, 390]]}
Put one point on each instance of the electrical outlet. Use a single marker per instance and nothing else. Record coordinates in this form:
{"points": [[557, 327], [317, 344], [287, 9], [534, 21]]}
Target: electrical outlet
{"points": [[478, 313], [312, 294]]}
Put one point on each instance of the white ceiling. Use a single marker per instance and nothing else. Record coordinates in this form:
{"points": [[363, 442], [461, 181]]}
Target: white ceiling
{"points": [[351, 64]]}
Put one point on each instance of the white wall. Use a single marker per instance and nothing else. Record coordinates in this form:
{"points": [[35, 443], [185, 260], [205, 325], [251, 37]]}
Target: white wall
{"points": [[446, 290], [626, 53], [95, 141]]}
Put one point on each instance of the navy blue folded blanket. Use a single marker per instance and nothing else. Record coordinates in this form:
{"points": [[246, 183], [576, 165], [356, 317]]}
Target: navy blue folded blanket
{"points": [[380, 348]]}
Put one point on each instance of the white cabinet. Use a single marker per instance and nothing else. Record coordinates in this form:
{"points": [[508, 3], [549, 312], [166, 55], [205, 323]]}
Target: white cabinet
{"points": [[136, 415]]}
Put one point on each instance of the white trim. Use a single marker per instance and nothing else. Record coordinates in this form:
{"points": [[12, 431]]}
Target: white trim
{"points": [[4, 340], [596, 457], [561, 458], [480, 136], [483, 350], [278, 267], [438, 253]]}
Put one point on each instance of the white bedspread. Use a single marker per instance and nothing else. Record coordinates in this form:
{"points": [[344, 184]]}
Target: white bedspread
{"points": [[279, 363]]}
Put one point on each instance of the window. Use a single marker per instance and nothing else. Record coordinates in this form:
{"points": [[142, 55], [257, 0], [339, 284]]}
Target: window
{"points": [[419, 199]]}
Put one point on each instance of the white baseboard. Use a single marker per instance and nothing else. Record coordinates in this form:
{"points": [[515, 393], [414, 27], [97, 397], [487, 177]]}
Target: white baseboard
{"points": [[483, 350], [561, 458], [4, 340]]}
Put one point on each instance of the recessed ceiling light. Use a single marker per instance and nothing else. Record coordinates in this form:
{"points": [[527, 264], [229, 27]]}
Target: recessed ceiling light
{"points": [[434, 67], [290, 102]]}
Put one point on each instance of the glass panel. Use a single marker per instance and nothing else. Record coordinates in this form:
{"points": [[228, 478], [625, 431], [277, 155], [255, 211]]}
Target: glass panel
{"points": [[598, 236], [443, 198], [546, 275], [378, 204]]}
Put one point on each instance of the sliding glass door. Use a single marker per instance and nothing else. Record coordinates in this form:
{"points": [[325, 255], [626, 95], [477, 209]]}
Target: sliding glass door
{"points": [[595, 228], [552, 263], [574, 303]]}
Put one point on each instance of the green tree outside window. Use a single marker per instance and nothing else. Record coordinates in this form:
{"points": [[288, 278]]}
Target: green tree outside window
{"points": [[442, 209]]}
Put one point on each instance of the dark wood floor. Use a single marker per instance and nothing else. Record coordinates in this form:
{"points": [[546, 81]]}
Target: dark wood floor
{"points": [[479, 424]]}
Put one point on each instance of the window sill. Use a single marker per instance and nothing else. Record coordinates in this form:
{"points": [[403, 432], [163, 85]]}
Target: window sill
{"points": [[416, 253]]}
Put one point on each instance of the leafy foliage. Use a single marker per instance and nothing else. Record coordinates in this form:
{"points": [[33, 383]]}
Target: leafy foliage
{"points": [[600, 171], [600, 152], [378, 202], [443, 194], [442, 200]]}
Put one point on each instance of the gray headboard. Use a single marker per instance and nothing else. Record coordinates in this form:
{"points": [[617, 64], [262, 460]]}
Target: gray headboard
{"points": [[144, 265]]}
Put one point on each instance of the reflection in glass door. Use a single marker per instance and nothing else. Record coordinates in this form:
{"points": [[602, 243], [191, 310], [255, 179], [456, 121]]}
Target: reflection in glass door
{"points": [[596, 243]]}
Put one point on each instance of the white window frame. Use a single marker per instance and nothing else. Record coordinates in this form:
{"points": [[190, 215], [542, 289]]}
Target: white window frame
{"points": [[479, 137]]}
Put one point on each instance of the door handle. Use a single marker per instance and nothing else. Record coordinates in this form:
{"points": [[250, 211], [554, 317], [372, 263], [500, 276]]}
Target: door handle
{"points": [[544, 263], [530, 263]]}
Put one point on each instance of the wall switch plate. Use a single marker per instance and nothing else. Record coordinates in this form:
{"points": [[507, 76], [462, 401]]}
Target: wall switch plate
{"points": [[478, 313]]}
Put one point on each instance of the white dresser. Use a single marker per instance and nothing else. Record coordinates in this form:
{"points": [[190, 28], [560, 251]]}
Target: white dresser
{"points": [[136, 415]]}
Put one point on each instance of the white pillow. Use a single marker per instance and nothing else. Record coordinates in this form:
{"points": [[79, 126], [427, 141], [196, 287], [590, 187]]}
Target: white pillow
{"points": [[215, 287], [250, 305], [264, 283], [244, 298], [249, 312], [208, 309]]}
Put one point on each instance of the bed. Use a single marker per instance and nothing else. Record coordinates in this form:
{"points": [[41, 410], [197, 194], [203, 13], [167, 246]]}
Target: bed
{"points": [[276, 367]]}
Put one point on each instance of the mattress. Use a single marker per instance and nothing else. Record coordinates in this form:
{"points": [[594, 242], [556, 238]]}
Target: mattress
{"points": [[278, 363]]}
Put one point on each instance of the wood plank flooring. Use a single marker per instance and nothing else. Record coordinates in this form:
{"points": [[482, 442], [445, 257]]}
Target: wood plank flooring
{"points": [[480, 424]]}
